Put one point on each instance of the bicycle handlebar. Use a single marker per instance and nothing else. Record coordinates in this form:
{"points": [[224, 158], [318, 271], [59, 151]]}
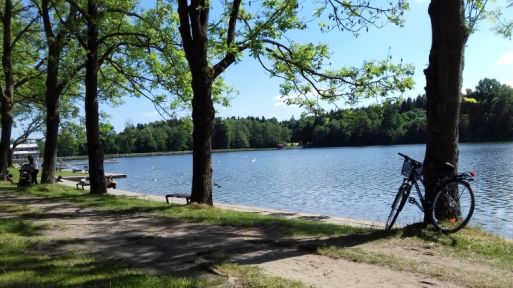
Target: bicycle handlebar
{"points": [[415, 162], [466, 175]]}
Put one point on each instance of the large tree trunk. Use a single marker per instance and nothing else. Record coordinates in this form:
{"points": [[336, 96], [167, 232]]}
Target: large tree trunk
{"points": [[52, 95], [9, 157], [202, 118], [194, 31], [7, 96], [94, 145], [443, 90], [5, 142], [53, 92]]}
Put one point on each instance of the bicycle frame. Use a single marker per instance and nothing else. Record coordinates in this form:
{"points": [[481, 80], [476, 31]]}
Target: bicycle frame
{"points": [[413, 182]]}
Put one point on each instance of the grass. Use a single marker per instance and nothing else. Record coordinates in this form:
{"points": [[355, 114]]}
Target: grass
{"points": [[65, 173], [361, 256], [492, 255], [470, 244], [20, 266], [16, 173], [190, 213], [249, 276], [18, 209]]}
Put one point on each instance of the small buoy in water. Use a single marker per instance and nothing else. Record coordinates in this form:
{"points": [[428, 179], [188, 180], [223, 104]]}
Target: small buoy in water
{"points": [[154, 179], [152, 167], [253, 160]]}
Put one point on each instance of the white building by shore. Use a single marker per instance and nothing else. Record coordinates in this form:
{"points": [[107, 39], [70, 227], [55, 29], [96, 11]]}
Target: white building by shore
{"points": [[21, 152]]}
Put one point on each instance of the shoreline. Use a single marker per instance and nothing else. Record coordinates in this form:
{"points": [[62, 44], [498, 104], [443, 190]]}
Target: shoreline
{"points": [[243, 208], [185, 152]]}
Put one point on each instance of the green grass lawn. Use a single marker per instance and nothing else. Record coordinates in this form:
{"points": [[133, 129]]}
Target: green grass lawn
{"points": [[63, 173], [191, 213], [22, 267]]}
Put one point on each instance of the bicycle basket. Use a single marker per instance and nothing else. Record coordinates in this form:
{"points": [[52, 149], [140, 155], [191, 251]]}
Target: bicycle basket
{"points": [[407, 168]]}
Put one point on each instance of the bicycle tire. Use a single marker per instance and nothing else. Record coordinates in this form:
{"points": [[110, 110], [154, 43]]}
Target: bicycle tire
{"points": [[397, 205], [453, 208]]}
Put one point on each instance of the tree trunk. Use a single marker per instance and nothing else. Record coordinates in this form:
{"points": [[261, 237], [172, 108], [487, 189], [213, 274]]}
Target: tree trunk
{"points": [[202, 118], [94, 145], [194, 32], [443, 90], [53, 92], [9, 157], [52, 95], [5, 142], [7, 96]]}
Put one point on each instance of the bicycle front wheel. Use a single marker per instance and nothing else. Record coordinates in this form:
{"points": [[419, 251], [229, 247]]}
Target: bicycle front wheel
{"points": [[397, 205], [453, 206]]}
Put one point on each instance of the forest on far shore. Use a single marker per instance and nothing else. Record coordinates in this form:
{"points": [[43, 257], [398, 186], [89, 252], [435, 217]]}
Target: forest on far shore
{"points": [[486, 115]]}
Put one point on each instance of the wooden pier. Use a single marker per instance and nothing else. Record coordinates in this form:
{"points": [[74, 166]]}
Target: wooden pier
{"points": [[78, 177]]}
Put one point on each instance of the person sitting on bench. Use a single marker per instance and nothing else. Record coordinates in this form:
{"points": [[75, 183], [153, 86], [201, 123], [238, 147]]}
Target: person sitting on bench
{"points": [[111, 183]]}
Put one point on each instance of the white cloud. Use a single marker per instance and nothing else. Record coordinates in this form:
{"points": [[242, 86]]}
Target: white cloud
{"points": [[150, 114], [279, 101], [505, 59]]}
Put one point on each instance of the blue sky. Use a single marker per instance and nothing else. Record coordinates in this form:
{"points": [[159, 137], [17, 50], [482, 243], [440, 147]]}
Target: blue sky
{"points": [[487, 55]]}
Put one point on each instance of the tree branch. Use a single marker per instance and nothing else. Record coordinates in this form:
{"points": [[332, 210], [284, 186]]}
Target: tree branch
{"points": [[185, 28], [234, 14], [24, 80], [102, 39], [230, 56], [24, 30]]}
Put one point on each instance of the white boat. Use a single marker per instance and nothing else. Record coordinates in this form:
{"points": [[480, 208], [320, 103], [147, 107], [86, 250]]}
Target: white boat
{"points": [[21, 152]]}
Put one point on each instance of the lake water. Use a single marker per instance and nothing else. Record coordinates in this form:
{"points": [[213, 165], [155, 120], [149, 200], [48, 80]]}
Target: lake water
{"points": [[355, 182]]}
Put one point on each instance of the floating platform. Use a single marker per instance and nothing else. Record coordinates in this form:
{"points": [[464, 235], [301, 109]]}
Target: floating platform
{"points": [[78, 177], [106, 161]]}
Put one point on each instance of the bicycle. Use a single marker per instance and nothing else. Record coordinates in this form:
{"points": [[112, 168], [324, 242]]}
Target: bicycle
{"points": [[454, 200]]}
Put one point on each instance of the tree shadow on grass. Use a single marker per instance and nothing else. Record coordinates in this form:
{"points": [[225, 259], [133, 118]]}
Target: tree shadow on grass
{"points": [[428, 233], [27, 269], [24, 264], [186, 245]]}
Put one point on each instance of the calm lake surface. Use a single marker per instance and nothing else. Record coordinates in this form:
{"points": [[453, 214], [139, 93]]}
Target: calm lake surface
{"points": [[355, 182]]}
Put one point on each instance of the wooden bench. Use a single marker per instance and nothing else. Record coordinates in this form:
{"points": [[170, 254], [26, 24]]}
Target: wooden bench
{"points": [[83, 184], [179, 195]]}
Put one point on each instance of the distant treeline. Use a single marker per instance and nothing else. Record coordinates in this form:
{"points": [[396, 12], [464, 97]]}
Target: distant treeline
{"points": [[486, 115]]}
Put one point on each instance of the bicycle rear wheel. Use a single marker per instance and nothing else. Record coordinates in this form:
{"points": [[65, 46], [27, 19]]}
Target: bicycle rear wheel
{"points": [[398, 204], [453, 206]]}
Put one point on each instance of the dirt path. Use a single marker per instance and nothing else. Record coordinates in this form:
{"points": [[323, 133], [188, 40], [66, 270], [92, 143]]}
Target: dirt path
{"points": [[167, 246]]}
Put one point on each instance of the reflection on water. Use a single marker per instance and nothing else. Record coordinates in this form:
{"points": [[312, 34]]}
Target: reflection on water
{"points": [[357, 182]]}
